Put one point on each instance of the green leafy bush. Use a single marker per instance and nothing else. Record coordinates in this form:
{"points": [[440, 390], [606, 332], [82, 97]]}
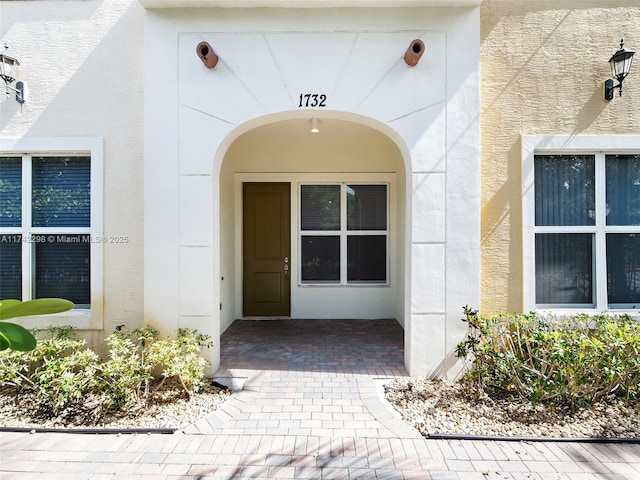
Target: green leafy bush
{"points": [[126, 376], [58, 371], [576, 361], [67, 379], [180, 358]]}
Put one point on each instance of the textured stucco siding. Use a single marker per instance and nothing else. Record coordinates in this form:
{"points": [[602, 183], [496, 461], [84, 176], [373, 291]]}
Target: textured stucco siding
{"points": [[82, 62], [543, 66]]}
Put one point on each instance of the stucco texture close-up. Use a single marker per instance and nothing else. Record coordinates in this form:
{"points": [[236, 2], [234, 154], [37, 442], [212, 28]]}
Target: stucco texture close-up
{"points": [[543, 66]]}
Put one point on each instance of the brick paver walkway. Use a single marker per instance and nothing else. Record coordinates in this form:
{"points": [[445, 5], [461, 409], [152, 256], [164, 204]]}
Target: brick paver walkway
{"points": [[310, 408]]}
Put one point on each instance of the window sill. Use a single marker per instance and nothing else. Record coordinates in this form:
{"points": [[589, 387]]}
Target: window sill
{"points": [[565, 313], [79, 319]]}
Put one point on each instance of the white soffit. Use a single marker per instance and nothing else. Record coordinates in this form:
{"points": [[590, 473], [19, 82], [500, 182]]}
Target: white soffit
{"points": [[306, 3]]}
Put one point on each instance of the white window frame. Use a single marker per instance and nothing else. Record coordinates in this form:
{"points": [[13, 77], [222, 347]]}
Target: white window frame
{"points": [[26, 148], [343, 233], [598, 146]]}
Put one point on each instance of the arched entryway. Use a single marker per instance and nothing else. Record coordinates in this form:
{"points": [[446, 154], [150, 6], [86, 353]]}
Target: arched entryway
{"points": [[363, 254]]}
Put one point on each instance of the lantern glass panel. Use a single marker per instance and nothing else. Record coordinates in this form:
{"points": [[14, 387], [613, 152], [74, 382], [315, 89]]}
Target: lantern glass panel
{"points": [[8, 67], [621, 64]]}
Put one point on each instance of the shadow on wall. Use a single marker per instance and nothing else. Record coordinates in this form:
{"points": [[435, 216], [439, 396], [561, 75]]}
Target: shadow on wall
{"points": [[591, 110], [88, 95], [503, 213], [517, 70], [507, 199], [450, 368], [521, 8]]}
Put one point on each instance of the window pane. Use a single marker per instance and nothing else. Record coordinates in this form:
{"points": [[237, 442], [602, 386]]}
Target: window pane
{"points": [[320, 258], [11, 267], [61, 192], [623, 268], [62, 268], [367, 258], [10, 192], [564, 273], [623, 189], [320, 207], [565, 189], [366, 207]]}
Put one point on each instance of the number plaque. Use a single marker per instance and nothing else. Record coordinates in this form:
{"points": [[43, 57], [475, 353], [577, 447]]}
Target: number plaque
{"points": [[313, 100]]}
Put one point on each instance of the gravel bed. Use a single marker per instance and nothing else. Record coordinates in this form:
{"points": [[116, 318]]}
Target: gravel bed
{"points": [[165, 409], [441, 407], [431, 406]]}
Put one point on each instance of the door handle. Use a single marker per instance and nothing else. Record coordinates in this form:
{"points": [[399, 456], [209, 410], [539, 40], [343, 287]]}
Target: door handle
{"points": [[286, 265]]}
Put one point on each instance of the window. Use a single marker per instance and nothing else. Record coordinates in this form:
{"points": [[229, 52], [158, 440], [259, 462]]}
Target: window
{"points": [[344, 234], [587, 230], [45, 227]]}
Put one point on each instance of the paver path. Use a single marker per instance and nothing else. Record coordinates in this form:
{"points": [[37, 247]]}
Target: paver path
{"points": [[309, 408]]}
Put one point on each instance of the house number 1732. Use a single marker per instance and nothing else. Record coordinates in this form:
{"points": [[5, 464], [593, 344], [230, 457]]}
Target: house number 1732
{"points": [[312, 100]]}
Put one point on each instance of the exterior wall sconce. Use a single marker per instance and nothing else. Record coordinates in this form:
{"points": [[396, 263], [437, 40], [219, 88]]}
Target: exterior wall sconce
{"points": [[207, 55], [8, 72], [620, 65], [414, 52], [314, 125]]}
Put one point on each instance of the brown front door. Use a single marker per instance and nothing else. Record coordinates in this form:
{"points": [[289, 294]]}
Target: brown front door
{"points": [[266, 249]]}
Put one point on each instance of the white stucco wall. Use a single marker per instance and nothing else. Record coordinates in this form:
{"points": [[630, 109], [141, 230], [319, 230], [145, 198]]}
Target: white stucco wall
{"points": [[354, 56], [82, 63]]}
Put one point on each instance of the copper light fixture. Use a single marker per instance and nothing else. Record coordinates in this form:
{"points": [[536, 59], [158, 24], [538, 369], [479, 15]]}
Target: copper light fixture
{"points": [[620, 65]]}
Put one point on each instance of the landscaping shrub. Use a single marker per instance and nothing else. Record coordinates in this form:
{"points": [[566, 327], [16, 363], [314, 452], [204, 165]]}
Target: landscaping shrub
{"points": [[126, 375], [59, 373], [575, 361], [180, 358], [65, 379]]}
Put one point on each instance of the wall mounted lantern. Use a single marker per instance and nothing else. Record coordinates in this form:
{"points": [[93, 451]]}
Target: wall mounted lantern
{"points": [[620, 65], [8, 72]]}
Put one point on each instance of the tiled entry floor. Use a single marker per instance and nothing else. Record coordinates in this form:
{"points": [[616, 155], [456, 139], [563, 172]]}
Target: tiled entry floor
{"points": [[318, 378], [370, 347]]}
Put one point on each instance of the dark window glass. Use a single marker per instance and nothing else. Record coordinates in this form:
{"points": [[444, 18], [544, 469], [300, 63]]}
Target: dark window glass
{"points": [[565, 189], [623, 268], [10, 192], [366, 207], [320, 258], [62, 268], [320, 207], [367, 258], [61, 192], [564, 268], [623, 189], [11, 267]]}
